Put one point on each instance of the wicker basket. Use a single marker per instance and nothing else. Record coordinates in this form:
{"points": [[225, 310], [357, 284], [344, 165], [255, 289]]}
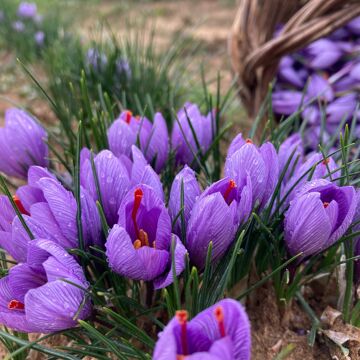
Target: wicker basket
{"points": [[255, 54]]}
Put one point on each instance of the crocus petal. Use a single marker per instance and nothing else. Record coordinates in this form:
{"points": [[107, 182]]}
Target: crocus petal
{"points": [[121, 137], [268, 152], [91, 224], [142, 173], [191, 192], [179, 257], [13, 319], [63, 206], [212, 219], [143, 264], [52, 307], [113, 182], [158, 147], [237, 326], [307, 227]]}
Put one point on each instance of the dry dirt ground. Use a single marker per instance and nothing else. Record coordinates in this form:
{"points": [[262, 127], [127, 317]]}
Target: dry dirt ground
{"points": [[208, 21]]}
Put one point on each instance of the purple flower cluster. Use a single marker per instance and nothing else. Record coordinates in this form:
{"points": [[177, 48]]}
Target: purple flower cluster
{"points": [[321, 81], [149, 238], [96, 61], [27, 22]]}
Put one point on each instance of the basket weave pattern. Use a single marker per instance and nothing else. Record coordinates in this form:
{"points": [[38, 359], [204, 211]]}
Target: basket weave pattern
{"points": [[255, 53]]}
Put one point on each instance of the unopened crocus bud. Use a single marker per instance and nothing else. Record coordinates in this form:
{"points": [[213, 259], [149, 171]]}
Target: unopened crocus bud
{"points": [[261, 164], [22, 143], [215, 218], [187, 146]]}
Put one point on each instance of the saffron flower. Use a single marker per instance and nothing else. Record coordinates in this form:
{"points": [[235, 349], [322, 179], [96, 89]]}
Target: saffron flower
{"points": [[318, 216], [35, 296], [27, 10], [50, 211], [245, 160], [220, 332], [322, 168], [191, 191], [116, 176], [323, 53], [95, 60], [39, 38], [22, 144], [183, 140], [215, 217], [139, 246], [153, 137]]}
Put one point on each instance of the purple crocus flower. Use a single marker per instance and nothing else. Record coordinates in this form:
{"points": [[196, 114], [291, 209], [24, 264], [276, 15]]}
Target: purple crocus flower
{"points": [[34, 296], [321, 168], [39, 38], [323, 53], [340, 108], [320, 88], [293, 144], [123, 67], [22, 144], [356, 228], [27, 10], [154, 138], [139, 247], [354, 26], [191, 191], [287, 101], [215, 217], [95, 60], [114, 182], [260, 164], [182, 138], [49, 211], [18, 26], [319, 215], [288, 73], [221, 332]]}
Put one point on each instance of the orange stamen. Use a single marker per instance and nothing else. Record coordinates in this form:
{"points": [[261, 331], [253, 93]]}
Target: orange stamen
{"points": [[128, 116], [326, 204], [182, 316], [137, 244], [249, 141], [19, 205], [138, 195], [15, 305], [219, 315], [232, 185]]}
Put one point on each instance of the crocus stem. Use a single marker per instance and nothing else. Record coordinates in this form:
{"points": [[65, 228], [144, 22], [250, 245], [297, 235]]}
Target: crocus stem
{"points": [[349, 280], [149, 293]]}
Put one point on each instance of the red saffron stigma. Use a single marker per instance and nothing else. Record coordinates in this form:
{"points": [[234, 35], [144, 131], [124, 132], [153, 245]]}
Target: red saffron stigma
{"points": [[326, 204], [232, 185], [219, 315], [248, 141], [128, 117], [19, 205], [138, 195], [182, 316], [15, 305], [326, 161]]}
